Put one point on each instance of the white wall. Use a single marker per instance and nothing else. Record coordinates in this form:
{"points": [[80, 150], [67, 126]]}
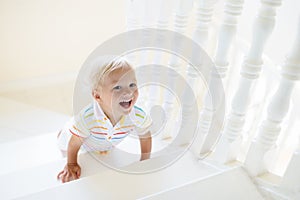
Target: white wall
{"points": [[42, 37], [48, 37]]}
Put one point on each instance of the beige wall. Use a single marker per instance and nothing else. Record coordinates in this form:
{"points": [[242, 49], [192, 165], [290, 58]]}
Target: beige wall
{"points": [[48, 37], [45, 37]]}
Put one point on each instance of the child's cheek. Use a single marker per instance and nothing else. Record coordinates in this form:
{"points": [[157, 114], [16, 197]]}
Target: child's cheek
{"points": [[137, 93]]}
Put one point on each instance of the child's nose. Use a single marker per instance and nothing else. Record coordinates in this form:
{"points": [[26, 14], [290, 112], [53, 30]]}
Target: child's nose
{"points": [[128, 91]]}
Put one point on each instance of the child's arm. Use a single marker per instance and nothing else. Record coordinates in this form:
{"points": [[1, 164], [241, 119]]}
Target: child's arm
{"points": [[146, 145], [72, 170]]}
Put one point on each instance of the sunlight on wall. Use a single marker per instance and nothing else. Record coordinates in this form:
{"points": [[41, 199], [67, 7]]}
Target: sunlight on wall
{"points": [[39, 38]]}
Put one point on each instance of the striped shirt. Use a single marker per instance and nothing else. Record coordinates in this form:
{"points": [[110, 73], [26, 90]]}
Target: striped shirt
{"points": [[99, 134]]}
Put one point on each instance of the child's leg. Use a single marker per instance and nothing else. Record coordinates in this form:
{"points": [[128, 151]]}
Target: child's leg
{"points": [[62, 141], [103, 152]]}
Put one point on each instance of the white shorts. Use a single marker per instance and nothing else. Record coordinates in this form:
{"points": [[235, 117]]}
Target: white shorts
{"points": [[88, 145], [64, 137]]}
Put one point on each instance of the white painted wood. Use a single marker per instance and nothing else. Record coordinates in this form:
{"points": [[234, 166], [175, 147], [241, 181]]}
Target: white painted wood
{"points": [[42, 170], [277, 109], [230, 184], [115, 185], [250, 70], [213, 135], [204, 12], [19, 120], [182, 11], [232, 10], [41, 177], [169, 104], [165, 11], [210, 121], [132, 20], [227, 32], [42, 149]]}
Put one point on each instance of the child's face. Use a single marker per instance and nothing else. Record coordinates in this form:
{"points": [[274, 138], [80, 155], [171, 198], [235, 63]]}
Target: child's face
{"points": [[119, 92]]}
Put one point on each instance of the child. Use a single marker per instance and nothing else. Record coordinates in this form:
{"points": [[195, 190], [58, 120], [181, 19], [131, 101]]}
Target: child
{"points": [[108, 120]]}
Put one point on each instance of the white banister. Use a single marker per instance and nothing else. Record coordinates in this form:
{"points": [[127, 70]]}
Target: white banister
{"points": [[214, 101], [132, 22], [132, 19], [277, 110], [182, 11], [232, 11], [204, 14], [165, 10], [291, 72], [227, 32], [181, 16], [227, 149]]}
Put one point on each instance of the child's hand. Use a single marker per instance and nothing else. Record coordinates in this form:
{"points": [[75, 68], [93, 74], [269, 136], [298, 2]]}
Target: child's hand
{"points": [[71, 172]]}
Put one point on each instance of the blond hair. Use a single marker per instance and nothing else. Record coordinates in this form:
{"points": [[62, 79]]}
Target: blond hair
{"points": [[104, 68]]}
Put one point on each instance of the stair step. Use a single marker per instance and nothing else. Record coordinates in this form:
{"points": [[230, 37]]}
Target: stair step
{"points": [[231, 184], [20, 121], [112, 184], [42, 177], [38, 150], [27, 153]]}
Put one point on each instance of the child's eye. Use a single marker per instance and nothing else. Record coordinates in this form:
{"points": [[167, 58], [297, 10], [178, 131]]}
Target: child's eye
{"points": [[117, 87], [132, 85]]}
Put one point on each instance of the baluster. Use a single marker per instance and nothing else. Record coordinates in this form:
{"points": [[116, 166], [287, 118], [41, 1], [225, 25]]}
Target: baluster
{"points": [[227, 149], [182, 10], [147, 19], [210, 118], [191, 74], [132, 20], [232, 10], [227, 32], [165, 8], [164, 12], [203, 19], [291, 179], [277, 110]]}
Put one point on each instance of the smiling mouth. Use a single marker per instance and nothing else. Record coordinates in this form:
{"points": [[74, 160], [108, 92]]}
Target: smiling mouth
{"points": [[126, 104]]}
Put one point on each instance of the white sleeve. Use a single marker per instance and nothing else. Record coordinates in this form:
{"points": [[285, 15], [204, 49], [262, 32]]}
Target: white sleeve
{"points": [[79, 127], [143, 121], [144, 127]]}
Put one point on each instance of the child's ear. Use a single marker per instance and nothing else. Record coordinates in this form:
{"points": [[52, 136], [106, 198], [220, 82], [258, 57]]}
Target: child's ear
{"points": [[96, 95]]}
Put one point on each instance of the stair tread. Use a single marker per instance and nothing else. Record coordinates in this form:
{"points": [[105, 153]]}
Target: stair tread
{"points": [[225, 183], [19, 120], [109, 184]]}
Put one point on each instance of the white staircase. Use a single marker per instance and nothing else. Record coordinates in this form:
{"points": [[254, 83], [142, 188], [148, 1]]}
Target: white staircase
{"points": [[111, 184], [30, 163], [230, 184]]}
